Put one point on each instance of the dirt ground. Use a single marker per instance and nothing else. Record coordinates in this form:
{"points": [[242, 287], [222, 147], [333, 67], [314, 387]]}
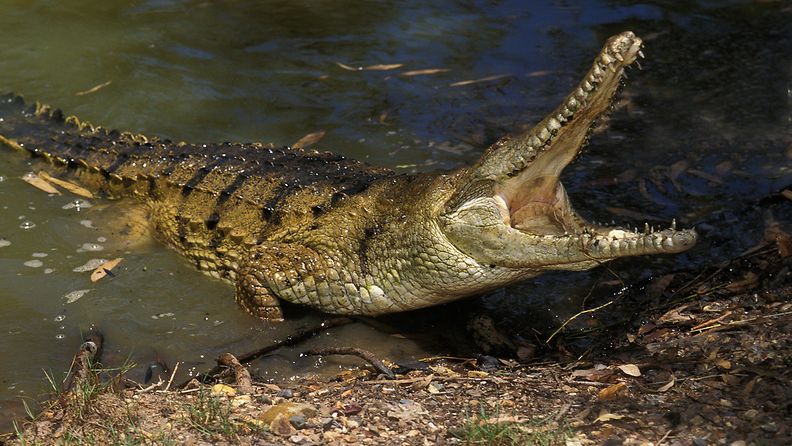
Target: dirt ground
{"points": [[708, 364]]}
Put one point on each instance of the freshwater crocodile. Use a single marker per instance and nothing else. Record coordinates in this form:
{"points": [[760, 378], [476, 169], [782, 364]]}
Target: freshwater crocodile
{"points": [[343, 237]]}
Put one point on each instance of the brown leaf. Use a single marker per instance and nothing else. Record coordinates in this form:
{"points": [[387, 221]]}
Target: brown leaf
{"points": [[93, 89], [383, 67], [612, 392], [71, 187], [104, 269], [423, 72], [604, 415], [668, 385], [40, 183], [307, 140], [630, 369], [674, 316]]}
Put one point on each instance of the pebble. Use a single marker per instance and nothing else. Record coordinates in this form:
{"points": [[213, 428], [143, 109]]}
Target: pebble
{"points": [[285, 393], [298, 421]]}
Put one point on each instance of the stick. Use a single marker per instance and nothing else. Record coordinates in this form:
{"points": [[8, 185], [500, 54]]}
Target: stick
{"points": [[290, 340], [353, 351], [241, 374], [88, 354]]}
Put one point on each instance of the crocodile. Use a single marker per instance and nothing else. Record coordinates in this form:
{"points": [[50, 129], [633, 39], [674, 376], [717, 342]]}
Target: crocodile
{"points": [[318, 229]]}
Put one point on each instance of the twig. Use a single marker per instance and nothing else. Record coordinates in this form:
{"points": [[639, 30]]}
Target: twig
{"points": [[581, 313], [290, 340], [170, 380], [241, 374], [353, 351]]}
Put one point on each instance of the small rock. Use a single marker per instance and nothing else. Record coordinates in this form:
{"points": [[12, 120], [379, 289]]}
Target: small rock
{"points": [[285, 393], [738, 443], [281, 426], [699, 442], [298, 421], [288, 410], [770, 427], [223, 390], [750, 414]]}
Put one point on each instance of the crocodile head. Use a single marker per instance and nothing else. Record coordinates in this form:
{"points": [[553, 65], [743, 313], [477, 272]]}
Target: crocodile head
{"points": [[511, 210]]}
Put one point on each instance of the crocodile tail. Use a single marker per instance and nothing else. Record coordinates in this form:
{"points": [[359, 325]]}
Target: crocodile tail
{"points": [[68, 143]]}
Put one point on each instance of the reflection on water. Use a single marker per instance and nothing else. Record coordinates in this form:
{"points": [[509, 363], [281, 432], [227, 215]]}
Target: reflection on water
{"points": [[701, 133]]}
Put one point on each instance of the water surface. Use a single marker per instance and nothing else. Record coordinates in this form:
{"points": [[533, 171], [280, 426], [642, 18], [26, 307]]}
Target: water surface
{"points": [[700, 134]]}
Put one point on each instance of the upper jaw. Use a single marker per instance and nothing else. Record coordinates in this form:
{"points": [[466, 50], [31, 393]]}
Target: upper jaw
{"points": [[522, 174]]}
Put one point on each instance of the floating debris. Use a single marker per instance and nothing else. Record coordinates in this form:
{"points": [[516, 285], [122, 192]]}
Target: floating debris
{"points": [[39, 255], [94, 89], [74, 296], [77, 204], [104, 269], [90, 247], [34, 263], [4, 243], [89, 265], [27, 224], [88, 224], [71, 187], [48, 270], [40, 183], [162, 315]]}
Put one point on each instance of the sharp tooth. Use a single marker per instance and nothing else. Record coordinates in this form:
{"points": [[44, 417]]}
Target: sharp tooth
{"points": [[607, 59], [572, 104], [640, 53], [619, 57], [646, 228], [673, 224], [587, 86], [535, 142], [561, 118], [612, 68], [553, 124], [544, 135], [638, 64], [597, 70]]}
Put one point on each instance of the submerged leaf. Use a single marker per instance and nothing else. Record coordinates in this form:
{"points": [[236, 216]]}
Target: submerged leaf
{"points": [[40, 183], [307, 140]]}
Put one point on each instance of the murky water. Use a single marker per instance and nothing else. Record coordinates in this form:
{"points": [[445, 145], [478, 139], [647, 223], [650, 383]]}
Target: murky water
{"points": [[702, 133]]}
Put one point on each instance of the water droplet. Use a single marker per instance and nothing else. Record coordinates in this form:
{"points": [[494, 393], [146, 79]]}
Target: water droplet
{"points": [[34, 263], [101, 239], [4, 243], [48, 270], [60, 336], [39, 255], [27, 224], [59, 318], [2, 178]]}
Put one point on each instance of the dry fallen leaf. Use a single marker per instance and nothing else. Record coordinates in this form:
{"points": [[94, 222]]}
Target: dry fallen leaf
{"points": [[630, 369], [223, 390], [104, 269], [71, 187], [40, 183], [423, 72], [668, 385], [307, 140], [604, 415], [611, 392], [478, 81]]}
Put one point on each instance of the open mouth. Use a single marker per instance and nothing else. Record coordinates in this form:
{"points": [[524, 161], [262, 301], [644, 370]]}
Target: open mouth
{"points": [[532, 199]]}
